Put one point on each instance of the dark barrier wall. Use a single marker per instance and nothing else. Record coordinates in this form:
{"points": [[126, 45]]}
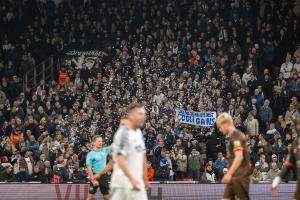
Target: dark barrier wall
{"points": [[158, 191]]}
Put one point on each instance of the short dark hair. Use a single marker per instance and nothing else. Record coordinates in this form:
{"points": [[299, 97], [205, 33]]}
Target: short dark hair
{"points": [[133, 106], [95, 137]]}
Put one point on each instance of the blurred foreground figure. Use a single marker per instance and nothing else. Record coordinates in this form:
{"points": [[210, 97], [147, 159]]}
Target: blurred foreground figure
{"points": [[292, 161], [238, 175], [129, 179]]}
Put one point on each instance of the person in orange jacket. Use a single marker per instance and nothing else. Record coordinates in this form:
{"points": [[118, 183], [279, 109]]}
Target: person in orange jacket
{"points": [[150, 172], [15, 136], [62, 75]]}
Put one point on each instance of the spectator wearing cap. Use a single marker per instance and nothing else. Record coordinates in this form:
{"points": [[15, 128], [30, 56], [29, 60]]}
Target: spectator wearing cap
{"points": [[274, 158], [7, 174]]}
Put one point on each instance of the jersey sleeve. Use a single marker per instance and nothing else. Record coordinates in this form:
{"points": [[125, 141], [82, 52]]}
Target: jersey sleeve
{"points": [[121, 141], [107, 150], [89, 160], [237, 143]]}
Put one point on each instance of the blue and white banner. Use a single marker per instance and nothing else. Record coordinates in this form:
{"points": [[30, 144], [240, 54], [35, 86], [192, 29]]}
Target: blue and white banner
{"points": [[196, 118]]}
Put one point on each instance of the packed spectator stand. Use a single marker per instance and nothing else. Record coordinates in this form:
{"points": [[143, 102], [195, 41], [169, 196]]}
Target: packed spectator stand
{"points": [[241, 56]]}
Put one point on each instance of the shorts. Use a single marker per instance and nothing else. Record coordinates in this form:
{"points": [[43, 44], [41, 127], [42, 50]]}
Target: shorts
{"points": [[128, 194], [103, 185], [237, 189]]}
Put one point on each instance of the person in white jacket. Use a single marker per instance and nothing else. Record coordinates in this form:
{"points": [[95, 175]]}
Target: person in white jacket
{"points": [[287, 67], [252, 125], [296, 66]]}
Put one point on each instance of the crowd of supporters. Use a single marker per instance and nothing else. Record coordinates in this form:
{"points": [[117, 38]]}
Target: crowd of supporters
{"points": [[241, 56]]}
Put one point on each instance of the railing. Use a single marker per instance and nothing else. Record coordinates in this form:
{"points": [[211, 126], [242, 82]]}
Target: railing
{"points": [[43, 71]]}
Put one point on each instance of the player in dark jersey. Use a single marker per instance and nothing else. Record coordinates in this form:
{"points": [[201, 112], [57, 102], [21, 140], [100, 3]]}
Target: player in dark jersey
{"points": [[292, 161], [238, 175]]}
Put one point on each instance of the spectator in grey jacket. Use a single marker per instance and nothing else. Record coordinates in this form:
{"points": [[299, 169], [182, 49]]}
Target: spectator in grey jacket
{"points": [[265, 113], [294, 85], [251, 125], [273, 172], [33, 146]]}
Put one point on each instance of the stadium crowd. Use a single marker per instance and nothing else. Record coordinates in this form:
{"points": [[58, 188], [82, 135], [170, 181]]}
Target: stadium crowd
{"points": [[242, 57]]}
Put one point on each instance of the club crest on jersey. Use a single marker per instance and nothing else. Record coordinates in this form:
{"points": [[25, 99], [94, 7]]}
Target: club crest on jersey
{"points": [[236, 143]]}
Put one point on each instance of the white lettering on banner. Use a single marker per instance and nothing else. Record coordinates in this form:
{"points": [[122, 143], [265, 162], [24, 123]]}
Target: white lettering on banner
{"points": [[78, 58], [94, 53], [196, 118]]}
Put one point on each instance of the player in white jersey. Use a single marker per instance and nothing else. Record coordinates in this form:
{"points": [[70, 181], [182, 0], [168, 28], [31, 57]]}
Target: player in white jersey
{"points": [[129, 178]]}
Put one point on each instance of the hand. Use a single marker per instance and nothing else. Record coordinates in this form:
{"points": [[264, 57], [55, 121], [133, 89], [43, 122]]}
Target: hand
{"points": [[94, 180], [274, 192], [226, 178], [95, 183], [147, 185], [97, 176], [135, 184]]}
